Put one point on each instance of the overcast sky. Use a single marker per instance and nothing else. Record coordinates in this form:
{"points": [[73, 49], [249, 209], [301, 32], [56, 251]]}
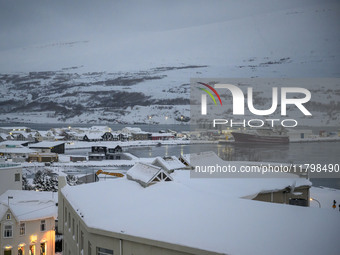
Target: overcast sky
{"points": [[25, 23], [122, 34]]}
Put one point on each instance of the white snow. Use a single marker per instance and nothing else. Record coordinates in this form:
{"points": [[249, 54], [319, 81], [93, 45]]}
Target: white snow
{"points": [[45, 144], [143, 172], [208, 214], [30, 205]]}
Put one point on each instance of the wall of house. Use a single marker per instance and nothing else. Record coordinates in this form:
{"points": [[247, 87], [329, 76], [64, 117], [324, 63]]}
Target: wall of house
{"points": [[283, 196], [78, 239], [32, 236], [7, 178]]}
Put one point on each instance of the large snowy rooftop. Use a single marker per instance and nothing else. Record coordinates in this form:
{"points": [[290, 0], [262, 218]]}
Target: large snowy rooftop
{"points": [[45, 144], [208, 214], [29, 205]]}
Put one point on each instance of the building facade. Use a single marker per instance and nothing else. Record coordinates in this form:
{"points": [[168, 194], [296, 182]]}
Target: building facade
{"points": [[27, 223], [10, 177]]}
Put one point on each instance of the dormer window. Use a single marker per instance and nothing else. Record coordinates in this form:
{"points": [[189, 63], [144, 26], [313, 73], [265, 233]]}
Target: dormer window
{"points": [[42, 225], [8, 216]]}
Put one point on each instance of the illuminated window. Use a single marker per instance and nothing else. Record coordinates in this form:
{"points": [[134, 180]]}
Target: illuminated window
{"points": [[22, 228], [31, 250], [21, 250], [43, 249], [42, 225], [8, 231], [8, 216]]}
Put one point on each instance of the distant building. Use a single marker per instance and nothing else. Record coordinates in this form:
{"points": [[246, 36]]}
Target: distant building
{"points": [[102, 152], [10, 177], [43, 157], [48, 147], [77, 158], [13, 129], [162, 136], [27, 222], [14, 151], [141, 136], [93, 137]]}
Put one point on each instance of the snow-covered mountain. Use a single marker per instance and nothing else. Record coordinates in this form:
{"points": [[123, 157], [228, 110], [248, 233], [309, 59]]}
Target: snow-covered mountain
{"points": [[143, 76]]}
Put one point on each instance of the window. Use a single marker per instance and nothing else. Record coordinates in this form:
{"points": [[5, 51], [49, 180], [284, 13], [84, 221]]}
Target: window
{"points": [[8, 252], [17, 177], [32, 250], [42, 225], [69, 220], [73, 230], [8, 231], [43, 249], [81, 240], [65, 217], [77, 238], [89, 248], [21, 250], [103, 251], [22, 229], [8, 216]]}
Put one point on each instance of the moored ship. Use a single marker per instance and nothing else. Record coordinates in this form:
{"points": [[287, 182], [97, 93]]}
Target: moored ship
{"points": [[261, 136]]}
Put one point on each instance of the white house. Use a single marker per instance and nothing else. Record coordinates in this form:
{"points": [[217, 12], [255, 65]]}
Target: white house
{"points": [[15, 151], [200, 216], [10, 177], [27, 222]]}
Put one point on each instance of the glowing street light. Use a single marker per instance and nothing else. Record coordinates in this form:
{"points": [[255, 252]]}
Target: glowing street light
{"points": [[313, 199]]}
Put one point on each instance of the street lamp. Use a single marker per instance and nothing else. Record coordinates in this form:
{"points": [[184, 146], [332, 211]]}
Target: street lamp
{"points": [[313, 199]]}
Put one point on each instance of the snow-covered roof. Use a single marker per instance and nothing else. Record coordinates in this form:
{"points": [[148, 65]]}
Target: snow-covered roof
{"points": [[16, 143], [45, 133], [17, 150], [3, 136], [208, 214], [29, 205], [92, 136], [6, 166], [101, 128], [145, 173], [23, 133], [45, 144], [162, 134], [131, 129], [169, 163], [14, 128]]}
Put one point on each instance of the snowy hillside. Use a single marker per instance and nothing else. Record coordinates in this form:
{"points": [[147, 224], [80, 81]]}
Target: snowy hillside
{"points": [[143, 75]]}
